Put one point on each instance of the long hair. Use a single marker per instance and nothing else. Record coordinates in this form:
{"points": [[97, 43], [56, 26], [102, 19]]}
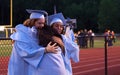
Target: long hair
{"points": [[30, 22], [47, 34]]}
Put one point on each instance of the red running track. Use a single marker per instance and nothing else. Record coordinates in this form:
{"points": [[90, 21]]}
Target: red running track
{"points": [[92, 62]]}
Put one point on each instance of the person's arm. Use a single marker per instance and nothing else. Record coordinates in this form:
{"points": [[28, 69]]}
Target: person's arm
{"points": [[72, 49], [27, 48], [33, 54]]}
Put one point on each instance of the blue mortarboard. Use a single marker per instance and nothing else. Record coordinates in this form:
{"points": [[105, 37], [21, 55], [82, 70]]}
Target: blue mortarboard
{"points": [[36, 13], [56, 18]]}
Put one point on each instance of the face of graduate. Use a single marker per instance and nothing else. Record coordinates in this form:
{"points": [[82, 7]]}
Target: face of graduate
{"points": [[40, 23], [58, 26]]}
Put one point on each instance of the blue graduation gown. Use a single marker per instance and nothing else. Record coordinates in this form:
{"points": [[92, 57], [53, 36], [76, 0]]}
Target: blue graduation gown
{"points": [[71, 52], [28, 58]]}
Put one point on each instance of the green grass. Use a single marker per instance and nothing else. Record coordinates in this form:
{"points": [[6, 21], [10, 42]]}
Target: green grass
{"points": [[117, 43], [99, 42], [5, 50], [5, 47]]}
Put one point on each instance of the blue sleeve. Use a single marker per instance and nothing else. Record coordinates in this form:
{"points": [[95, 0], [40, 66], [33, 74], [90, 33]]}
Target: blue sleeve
{"points": [[72, 49], [31, 53]]}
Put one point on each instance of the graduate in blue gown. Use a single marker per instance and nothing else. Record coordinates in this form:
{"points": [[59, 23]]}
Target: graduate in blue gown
{"points": [[57, 22], [30, 58]]}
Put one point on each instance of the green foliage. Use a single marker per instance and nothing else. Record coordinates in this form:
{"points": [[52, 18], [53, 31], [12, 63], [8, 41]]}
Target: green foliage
{"points": [[90, 14], [84, 11], [4, 12], [109, 15]]}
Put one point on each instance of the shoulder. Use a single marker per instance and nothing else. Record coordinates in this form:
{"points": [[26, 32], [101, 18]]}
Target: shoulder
{"points": [[22, 33], [20, 26], [23, 29]]}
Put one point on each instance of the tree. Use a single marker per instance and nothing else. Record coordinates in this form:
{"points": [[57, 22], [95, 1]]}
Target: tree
{"points": [[109, 15], [4, 12]]}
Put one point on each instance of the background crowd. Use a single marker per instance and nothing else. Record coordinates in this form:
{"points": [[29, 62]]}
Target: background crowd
{"points": [[85, 38]]}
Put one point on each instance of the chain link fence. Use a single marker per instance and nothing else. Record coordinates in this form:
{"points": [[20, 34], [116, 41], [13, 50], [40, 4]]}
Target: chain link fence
{"points": [[5, 51]]}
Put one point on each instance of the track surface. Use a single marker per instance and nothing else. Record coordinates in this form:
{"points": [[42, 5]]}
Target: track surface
{"points": [[92, 62]]}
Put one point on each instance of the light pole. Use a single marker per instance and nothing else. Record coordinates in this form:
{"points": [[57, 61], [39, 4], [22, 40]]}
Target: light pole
{"points": [[54, 3], [11, 11], [11, 18], [106, 65], [55, 9]]}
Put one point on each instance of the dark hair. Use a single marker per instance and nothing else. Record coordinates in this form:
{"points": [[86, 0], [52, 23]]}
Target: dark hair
{"points": [[47, 34]]}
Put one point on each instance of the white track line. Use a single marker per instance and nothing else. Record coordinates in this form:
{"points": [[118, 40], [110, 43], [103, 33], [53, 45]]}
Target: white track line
{"points": [[92, 64], [102, 58], [96, 69]]}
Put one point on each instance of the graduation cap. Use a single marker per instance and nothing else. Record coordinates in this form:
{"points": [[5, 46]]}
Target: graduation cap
{"points": [[56, 18], [37, 13]]}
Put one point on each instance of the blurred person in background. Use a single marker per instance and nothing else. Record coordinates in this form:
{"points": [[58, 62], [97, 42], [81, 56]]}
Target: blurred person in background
{"points": [[113, 36], [91, 38]]}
